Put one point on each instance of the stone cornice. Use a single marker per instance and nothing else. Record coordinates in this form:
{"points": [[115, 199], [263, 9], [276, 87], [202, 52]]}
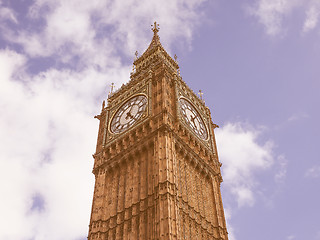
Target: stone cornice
{"points": [[106, 159]]}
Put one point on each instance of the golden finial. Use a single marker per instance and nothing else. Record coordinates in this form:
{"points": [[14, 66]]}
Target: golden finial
{"points": [[155, 28], [112, 87], [200, 94]]}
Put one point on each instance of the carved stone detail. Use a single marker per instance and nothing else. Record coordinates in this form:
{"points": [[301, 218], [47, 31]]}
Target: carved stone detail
{"points": [[157, 179]]}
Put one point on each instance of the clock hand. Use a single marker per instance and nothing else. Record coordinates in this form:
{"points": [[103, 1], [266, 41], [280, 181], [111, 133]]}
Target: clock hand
{"points": [[129, 115], [192, 119]]}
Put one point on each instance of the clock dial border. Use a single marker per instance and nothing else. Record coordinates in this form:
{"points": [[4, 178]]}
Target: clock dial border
{"points": [[205, 133], [134, 120]]}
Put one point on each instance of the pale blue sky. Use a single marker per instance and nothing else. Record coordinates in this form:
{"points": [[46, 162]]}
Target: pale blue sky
{"points": [[256, 61]]}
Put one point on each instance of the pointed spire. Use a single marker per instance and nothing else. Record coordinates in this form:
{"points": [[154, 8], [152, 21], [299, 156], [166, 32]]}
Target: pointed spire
{"points": [[156, 39], [155, 46]]}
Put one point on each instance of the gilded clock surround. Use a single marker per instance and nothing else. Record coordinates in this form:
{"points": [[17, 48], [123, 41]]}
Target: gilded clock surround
{"points": [[196, 121], [157, 179], [134, 119], [115, 102]]}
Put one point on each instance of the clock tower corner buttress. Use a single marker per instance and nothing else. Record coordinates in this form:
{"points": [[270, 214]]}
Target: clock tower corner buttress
{"points": [[157, 173]]}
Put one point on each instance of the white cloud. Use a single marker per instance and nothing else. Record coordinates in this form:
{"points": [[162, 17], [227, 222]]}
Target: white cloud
{"points": [[47, 137], [231, 230], [291, 237], [47, 130], [272, 14], [298, 116], [96, 31], [242, 157], [312, 17], [7, 14], [313, 172], [39, 130], [282, 169]]}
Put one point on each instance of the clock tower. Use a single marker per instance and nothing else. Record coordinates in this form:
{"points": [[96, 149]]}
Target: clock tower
{"points": [[157, 173]]}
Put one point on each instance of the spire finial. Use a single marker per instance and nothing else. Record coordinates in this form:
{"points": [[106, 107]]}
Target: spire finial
{"points": [[155, 28], [136, 54]]}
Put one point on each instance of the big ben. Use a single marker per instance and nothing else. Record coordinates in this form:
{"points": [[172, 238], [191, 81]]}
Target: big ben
{"points": [[156, 167]]}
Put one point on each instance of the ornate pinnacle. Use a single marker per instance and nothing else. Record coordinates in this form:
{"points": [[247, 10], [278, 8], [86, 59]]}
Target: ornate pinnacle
{"points": [[112, 87], [155, 28], [136, 54], [200, 94]]}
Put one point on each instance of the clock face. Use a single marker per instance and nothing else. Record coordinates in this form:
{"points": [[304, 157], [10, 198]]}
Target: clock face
{"points": [[128, 114], [193, 118]]}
